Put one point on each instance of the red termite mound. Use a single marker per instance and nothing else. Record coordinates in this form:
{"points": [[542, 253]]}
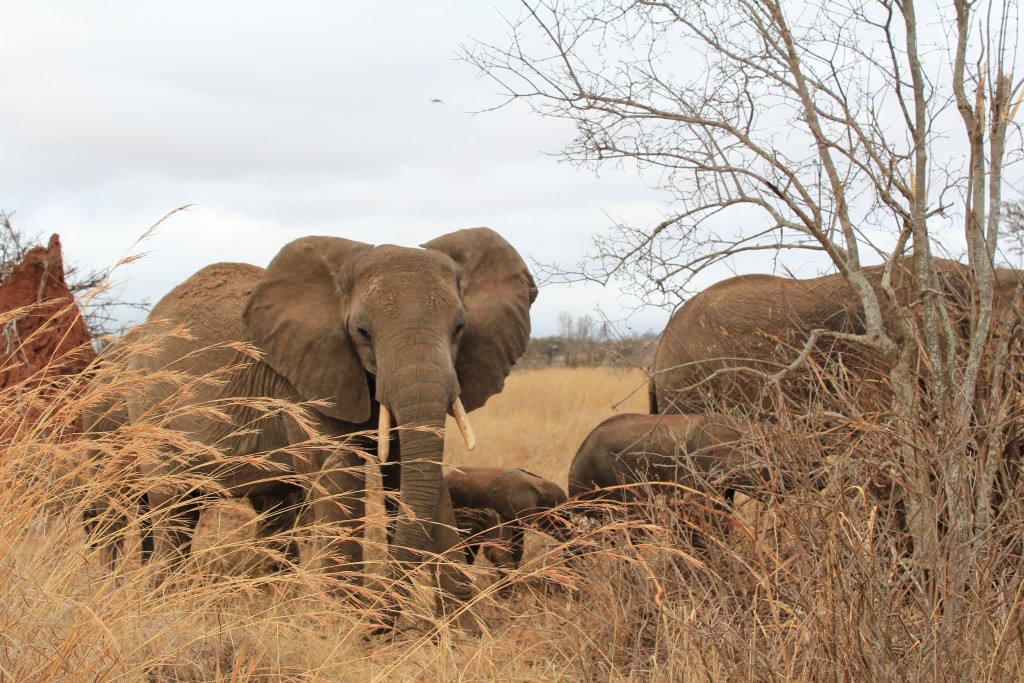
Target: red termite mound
{"points": [[51, 339]]}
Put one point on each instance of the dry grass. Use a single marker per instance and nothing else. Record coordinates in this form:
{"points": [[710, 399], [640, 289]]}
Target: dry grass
{"points": [[809, 588], [541, 417]]}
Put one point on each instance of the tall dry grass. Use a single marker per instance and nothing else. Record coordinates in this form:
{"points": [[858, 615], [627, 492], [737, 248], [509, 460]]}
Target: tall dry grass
{"points": [[801, 584], [72, 615], [542, 416]]}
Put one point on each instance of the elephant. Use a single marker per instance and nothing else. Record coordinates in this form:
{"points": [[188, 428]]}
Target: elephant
{"points": [[107, 519], [635, 448], [367, 332], [699, 460], [483, 530], [518, 497], [720, 345]]}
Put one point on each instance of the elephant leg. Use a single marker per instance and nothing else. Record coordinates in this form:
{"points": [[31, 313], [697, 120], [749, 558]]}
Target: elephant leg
{"points": [[278, 516], [107, 529], [517, 543], [103, 533], [176, 517], [90, 521], [337, 499]]}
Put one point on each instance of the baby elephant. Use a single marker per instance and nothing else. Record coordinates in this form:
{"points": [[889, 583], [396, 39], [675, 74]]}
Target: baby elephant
{"points": [[682, 449], [482, 530], [517, 497]]}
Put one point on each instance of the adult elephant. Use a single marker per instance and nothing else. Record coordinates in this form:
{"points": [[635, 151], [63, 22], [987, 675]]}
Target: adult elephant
{"points": [[517, 496], [721, 347], [108, 515], [368, 332]]}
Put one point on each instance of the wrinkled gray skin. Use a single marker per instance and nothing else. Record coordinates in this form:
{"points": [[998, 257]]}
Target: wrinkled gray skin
{"points": [[517, 496], [691, 450], [357, 326]]}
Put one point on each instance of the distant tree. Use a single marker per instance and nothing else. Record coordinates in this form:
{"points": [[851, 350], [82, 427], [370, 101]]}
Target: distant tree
{"points": [[582, 338], [543, 351]]}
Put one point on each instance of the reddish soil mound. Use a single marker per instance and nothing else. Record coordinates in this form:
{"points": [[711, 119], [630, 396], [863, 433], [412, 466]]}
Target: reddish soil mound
{"points": [[51, 336]]}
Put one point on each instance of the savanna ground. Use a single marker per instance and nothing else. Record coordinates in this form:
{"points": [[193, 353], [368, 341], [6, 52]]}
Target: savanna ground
{"points": [[804, 585]]}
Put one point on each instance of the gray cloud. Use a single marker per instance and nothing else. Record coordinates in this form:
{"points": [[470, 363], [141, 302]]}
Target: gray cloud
{"points": [[279, 120]]}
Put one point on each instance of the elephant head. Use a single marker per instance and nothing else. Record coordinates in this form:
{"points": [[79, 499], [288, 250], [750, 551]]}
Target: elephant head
{"points": [[520, 494], [410, 330]]}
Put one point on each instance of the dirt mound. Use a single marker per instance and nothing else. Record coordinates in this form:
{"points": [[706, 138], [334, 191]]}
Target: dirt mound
{"points": [[50, 339]]}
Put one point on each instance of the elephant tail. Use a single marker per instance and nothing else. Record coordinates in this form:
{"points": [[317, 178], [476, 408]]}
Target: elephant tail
{"points": [[652, 397]]}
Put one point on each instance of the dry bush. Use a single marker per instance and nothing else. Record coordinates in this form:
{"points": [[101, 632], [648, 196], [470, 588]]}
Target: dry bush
{"points": [[795, 584]]}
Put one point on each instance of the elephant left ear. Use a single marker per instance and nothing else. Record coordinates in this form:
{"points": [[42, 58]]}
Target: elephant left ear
{"points": [[296, 314], [497, 291]]}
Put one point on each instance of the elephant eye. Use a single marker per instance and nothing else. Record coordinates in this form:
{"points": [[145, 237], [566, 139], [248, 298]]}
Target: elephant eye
{"points": [[363, 332], [459, 327]]}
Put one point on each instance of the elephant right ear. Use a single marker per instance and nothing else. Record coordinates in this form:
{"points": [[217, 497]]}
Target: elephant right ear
{"points": [[296, 315]]}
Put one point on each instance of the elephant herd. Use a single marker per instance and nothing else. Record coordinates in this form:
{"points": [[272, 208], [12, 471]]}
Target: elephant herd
{"points": [[372, 337]]}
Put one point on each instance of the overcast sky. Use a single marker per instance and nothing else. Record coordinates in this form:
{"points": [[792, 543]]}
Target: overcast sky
{"points": [[278, 120]]}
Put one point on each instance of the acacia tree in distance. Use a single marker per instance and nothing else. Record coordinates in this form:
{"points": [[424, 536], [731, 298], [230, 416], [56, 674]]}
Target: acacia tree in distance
{"points": [[865, 130]]}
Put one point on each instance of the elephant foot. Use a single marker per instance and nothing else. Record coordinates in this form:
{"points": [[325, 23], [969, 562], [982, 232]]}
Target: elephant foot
{"points": [[452, 613], [461, 616]]}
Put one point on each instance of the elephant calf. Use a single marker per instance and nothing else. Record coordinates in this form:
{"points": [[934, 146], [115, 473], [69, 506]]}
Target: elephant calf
{"points": [[517, 498], [690, 450], [483, 531]]}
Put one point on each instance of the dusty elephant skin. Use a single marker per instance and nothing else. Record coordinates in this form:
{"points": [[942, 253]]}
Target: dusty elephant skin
{"points": [[704, 457], [762, 322], [359, 327], [515, 495]]}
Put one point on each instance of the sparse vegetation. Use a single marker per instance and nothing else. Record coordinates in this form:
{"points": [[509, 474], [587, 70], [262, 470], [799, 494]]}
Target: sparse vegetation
{"points": [[581, 342]]}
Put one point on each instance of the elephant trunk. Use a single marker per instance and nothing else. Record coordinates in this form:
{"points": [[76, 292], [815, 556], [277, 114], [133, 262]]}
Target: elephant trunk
{"points": [[384, 429], [418, 395]]}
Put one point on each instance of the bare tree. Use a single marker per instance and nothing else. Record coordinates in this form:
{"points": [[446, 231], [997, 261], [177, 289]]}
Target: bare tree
{"points": [[580, 334], [853, 132]]}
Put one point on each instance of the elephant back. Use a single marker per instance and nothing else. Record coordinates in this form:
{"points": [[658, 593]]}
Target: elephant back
{"points": [[209, 305], [472, 487], [211, 302], [760, 322]]}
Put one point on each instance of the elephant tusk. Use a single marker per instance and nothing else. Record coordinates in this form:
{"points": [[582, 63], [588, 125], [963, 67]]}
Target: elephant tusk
{"points": [[383, 434], [463, 421]]}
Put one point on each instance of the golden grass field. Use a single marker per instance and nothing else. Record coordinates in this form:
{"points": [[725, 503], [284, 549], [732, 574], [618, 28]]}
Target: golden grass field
{"points": [[804, 585], [541, 417], [66, 617]]}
